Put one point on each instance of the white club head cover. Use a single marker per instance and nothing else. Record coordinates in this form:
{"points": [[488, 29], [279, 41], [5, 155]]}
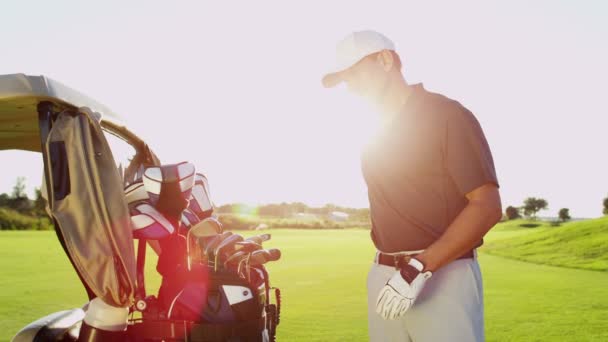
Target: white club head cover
{"points": [[397, 296]]}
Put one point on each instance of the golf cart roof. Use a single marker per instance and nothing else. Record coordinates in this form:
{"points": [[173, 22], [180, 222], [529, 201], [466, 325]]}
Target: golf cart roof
{"points": [[19, 98]]}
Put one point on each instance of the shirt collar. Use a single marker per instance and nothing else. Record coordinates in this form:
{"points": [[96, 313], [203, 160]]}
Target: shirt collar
{"points": [[413, 91]]}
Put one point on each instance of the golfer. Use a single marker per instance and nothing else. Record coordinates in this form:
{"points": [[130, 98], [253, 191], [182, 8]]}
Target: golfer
{"points": [[433, 195]]}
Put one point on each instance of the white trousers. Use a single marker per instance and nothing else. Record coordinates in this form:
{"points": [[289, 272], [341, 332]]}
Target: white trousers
{"points": [[449, 308]]}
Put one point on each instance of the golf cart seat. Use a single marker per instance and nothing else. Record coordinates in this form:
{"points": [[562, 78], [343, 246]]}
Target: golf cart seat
{"points": [[60, 326]]}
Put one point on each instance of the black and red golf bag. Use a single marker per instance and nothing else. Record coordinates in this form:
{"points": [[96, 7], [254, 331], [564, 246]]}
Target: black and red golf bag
{"points": [[204, 296]]}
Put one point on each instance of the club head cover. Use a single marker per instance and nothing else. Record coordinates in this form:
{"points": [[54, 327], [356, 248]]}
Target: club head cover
{"points": [[200, 199], [169, 188]]}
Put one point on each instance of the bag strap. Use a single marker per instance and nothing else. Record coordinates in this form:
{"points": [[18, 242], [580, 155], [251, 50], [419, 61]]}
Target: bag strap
{"points": [[141, 263]]}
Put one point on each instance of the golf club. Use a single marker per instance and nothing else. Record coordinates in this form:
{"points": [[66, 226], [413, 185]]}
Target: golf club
{"points": [[263, 256], [259, 258], [248, 246], [241, 250], [208, 247], [259, 238], [202, 232], [236, 258], [225, 244]]}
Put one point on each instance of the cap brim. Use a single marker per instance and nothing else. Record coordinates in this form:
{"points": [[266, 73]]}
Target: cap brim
{"points": [[333, 79]]}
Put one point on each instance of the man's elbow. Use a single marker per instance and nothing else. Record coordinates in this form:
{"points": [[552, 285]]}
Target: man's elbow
{"points": [[488, 211], [495, 214], [493, 207], [487, 199]]}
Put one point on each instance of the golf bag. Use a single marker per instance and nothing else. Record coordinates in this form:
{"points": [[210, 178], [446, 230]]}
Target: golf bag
{"points": [[214, 284], [199, 299]]}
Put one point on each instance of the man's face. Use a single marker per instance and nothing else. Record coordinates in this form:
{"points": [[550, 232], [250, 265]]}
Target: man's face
{"points": [[367, 78]]}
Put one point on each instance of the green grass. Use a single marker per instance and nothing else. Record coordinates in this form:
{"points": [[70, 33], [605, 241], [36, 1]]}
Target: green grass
{"points": [[36, 279], [322, 275], [582, 244]]}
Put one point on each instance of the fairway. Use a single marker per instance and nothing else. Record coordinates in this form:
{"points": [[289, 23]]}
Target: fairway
{"points": [[322, 275]]}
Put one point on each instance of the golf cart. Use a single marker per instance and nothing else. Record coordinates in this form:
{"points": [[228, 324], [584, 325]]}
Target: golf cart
{"points": [[214, 283]]}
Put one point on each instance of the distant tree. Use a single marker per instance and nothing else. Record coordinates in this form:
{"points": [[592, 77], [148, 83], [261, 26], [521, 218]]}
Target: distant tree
{"points": [[4, 200], [361, 214], [224, 209], [19, 188], [329, 208], [299, 207], [605, 211], [512, 213], [564, 214], [284, 210], [18, 199], [39, 204], [532, 205]]}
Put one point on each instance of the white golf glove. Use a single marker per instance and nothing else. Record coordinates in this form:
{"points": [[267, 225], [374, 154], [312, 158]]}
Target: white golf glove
{"points": [[400, 292]]}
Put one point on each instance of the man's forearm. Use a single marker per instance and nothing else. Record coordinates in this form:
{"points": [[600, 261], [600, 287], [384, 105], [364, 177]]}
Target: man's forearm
{"points": [[469, 227]]}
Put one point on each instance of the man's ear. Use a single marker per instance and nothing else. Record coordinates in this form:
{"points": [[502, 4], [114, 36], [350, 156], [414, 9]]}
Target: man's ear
{"points": [[386, 60]]}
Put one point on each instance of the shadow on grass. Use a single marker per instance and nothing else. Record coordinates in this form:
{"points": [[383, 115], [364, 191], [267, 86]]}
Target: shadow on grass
{"points": [[530, 225]]}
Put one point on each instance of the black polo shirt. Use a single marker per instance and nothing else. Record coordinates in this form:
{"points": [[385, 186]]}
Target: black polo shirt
{"points": [[419, 168]]}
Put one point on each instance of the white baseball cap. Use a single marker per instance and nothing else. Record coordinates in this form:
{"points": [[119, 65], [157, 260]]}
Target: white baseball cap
{"points": [[354, 48]]}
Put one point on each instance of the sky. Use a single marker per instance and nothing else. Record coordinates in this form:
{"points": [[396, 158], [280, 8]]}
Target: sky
{"points": [[234, 87]]}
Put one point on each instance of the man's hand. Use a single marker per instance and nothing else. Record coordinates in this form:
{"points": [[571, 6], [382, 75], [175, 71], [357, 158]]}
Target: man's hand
{"points": [[400, 292], [468, 228]]}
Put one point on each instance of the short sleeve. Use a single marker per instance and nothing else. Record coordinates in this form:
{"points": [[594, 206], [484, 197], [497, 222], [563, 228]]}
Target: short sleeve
{"points": [[469, 160]]}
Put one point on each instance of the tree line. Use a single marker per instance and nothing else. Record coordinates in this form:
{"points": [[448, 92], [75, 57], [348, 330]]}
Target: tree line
{"points": [[19, 212], [291, 209], [20, 202], [26, 213], [532, 205]]}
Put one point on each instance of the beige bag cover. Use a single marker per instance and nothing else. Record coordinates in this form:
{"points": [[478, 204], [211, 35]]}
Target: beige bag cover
{"points": [[93, 218]]}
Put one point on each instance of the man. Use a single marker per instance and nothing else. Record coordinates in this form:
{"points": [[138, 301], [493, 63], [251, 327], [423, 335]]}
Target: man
{"points": [[433, 195]]}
